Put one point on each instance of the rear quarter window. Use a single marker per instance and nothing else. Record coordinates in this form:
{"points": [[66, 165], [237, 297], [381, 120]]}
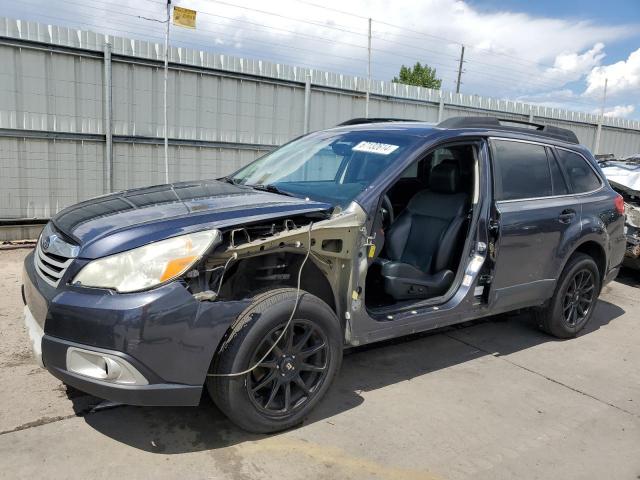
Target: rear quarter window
{"points": [[557, 178], [580, 174], [521, 170]]}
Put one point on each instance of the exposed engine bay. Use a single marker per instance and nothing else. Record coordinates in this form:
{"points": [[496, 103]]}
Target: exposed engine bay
{"points": [[624, 177], [262, 256]]}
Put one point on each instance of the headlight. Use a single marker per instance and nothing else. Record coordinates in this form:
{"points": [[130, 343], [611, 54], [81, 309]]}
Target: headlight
{"points": [[147, 266]]}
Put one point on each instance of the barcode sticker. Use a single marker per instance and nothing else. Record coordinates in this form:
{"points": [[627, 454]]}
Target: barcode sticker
{"points": [[375, 147]]}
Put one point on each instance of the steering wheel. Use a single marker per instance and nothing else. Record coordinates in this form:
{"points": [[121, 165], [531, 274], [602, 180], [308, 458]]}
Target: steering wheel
{"points": [[388, 207]]}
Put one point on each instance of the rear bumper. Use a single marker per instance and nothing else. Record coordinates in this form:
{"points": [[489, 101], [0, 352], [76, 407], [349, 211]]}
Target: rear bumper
{"points": [[613, 273]]}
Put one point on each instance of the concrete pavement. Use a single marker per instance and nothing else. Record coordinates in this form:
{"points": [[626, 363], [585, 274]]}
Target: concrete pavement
{"points": [[494, 400]]}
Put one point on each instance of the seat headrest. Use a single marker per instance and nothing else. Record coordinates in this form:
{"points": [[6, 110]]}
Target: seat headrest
{"points": [[445, 177]]}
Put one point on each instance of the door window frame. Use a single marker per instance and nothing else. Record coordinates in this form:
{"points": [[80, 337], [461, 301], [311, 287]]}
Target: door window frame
{"points": [[566, 175], [546, 145]]}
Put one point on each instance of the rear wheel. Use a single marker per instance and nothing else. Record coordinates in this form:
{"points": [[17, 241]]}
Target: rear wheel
{"points": [[573, 302], [292, 378]]}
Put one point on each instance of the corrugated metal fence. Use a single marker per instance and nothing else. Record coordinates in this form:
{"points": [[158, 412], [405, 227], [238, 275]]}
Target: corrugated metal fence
{"points": [[55, 110]]}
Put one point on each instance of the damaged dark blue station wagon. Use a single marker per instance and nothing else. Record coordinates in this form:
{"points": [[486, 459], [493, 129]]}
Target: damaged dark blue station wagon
{"points": [[251, 285]]}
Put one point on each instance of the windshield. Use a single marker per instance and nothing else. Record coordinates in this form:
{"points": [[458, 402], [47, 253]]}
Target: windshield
{"points": [[332, 167]]}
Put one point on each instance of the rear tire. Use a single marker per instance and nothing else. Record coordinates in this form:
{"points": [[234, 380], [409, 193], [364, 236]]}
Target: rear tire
{"points": [[293, 378], [571, 307]]}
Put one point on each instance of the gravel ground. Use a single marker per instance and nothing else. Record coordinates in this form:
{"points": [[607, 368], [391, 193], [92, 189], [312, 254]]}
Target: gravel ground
{"points": [[495, 399]]}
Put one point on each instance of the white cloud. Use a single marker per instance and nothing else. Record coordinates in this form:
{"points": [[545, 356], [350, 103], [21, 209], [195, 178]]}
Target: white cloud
{"points": [[623, 77], [569, 67], [507, 52], [619, 111]]}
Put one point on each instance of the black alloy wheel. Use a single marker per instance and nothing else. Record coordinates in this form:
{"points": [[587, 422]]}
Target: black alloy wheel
{"points": [[578, 298], [293, 372], [574, 300], [292, 377]]}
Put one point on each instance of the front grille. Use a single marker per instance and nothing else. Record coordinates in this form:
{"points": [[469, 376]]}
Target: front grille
{"points": [[53, 255], [50, 267]]}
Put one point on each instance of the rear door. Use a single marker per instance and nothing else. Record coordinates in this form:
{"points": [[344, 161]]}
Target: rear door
{"points": [[534, 215], [598, 208]]}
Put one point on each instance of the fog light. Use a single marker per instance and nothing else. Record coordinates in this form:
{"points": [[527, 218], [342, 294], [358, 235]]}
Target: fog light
{"points": [[103, 366]]}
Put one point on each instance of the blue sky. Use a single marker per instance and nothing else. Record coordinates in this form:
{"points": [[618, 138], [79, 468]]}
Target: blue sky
{"points": [[614, 11], [610, 12], [556, 53]]}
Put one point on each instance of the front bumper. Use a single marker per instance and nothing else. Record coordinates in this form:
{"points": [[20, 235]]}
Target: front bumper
{"points": [[154, 394], [55, 352], [36, 333], [167, 335]]}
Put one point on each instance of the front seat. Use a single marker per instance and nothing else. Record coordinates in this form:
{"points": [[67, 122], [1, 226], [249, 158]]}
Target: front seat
{"points": [[423, 242]]}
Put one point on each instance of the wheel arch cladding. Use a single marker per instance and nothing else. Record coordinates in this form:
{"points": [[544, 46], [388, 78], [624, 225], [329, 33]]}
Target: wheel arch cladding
{"points": [[591, 248], [595, 251]]}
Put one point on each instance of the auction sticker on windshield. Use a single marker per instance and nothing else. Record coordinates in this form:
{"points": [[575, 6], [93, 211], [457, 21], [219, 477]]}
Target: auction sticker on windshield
{"points": [[375, 147]]}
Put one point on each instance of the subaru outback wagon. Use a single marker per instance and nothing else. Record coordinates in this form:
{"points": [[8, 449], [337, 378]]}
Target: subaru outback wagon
{"points": [[251, 285]]}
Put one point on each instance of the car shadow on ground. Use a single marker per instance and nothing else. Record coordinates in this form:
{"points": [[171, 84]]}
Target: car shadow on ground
{"points": [[172, 430], [629, 277]]}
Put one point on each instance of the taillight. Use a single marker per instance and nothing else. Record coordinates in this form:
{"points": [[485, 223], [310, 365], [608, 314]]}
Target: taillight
{"points": [[619, 204]]}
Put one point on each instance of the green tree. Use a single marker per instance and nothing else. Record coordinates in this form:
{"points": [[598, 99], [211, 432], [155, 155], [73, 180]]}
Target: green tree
{"points": [[422, 76]]}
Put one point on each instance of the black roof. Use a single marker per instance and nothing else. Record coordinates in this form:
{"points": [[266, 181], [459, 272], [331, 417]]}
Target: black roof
{"points": [[360, 121], [477, 123], [510, 125]]}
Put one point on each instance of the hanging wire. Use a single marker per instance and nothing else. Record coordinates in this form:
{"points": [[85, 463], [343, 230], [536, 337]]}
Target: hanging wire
{"points": [[286, 327]]}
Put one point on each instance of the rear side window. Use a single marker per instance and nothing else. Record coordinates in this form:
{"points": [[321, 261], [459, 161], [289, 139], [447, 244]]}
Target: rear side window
{"points": [[580, 174], [521, 170]]}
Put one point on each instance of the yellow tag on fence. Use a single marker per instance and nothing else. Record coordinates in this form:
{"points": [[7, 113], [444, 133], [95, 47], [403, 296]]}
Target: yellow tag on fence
{"points": [[372, 251], [183, 17]]}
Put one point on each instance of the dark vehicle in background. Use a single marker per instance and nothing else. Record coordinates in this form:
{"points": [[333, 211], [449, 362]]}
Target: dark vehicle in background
{"points": [[251, 285]]}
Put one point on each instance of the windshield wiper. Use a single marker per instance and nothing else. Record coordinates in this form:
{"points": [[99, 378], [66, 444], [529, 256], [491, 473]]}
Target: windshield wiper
{"points": [[270, 188], [230, 180]]}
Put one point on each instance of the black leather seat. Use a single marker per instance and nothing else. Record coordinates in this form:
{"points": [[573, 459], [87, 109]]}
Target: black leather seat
{"points": [[423, 242]]}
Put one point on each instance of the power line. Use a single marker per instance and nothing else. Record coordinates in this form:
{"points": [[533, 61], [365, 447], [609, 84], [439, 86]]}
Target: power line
{"points": [[394, 53], [269, 27], [376, 21], [247, 39], [155, 35], [336, 27], [443, 39]]}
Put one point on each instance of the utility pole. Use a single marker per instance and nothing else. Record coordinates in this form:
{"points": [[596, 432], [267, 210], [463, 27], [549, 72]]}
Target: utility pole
{"points": [[307, 103], [596, 148], [460, 69], [366, 105], [166, 75], [108, 112]]}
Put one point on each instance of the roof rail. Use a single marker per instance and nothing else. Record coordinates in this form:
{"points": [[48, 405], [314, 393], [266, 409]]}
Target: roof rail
{"points": [[358, 121], [558, 133]]}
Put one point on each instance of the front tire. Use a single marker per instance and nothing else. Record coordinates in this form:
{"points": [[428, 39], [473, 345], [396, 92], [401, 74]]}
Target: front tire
{"points": [[574, 300], [292, 379]]}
